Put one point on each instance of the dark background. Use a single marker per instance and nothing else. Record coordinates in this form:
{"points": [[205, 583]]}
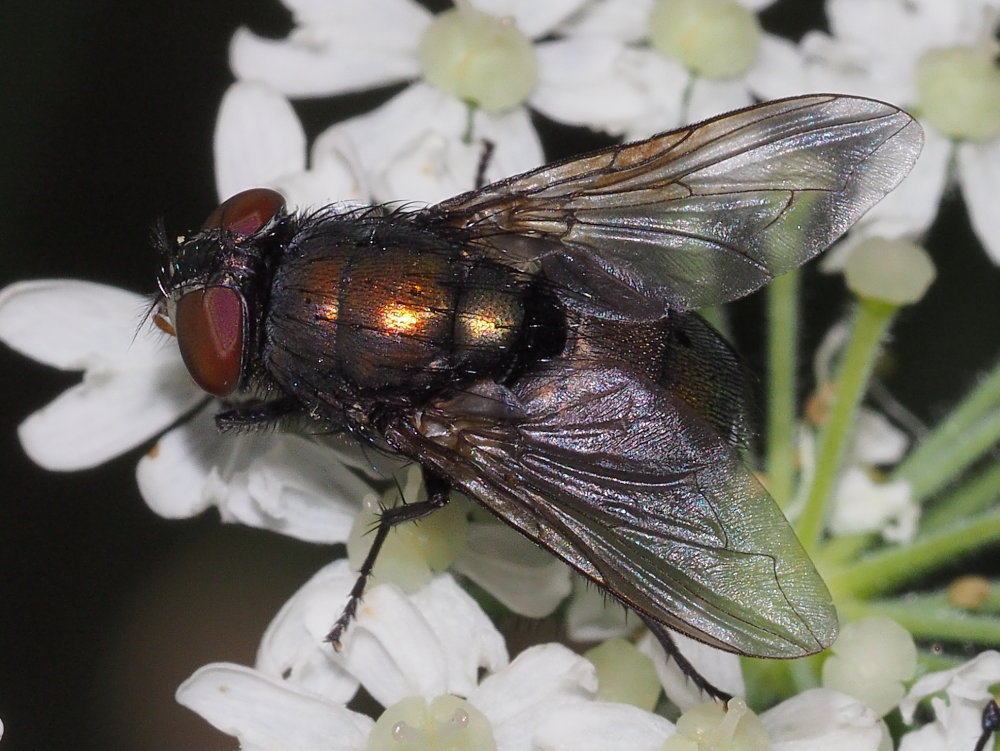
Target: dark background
{"points": [[106, 125]]}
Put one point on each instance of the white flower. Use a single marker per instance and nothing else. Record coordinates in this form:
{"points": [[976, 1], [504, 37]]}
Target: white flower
{"points": [[134, 383], [664, 63], [872, 658], [937, 58], [721, 669], [419, 656], [433, 641], [426, 143], [815, 720], [957, 714], [134, 387], [863, 504], [259, 142]]}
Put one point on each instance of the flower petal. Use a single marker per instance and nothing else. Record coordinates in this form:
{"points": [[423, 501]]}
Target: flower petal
{"points": [[822, 720], [258, 139], [540, 680], [622, 20], [105, 416], [344, 46], [430, 643], [535, 19], [283, 482], [719, 668], [979, 174], [293, 646], [413, 147], [525, 578], [133, 385], [73, 325], [591, 81], [602, 726], [593, 616], [267, 713]]}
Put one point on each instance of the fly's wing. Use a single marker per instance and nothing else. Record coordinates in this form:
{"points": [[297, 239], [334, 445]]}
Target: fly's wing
{"points": [[627, 482], [701, 215]]}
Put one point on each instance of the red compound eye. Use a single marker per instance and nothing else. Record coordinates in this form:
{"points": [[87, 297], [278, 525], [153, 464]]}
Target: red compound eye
{"points": [[246, 212], [209, 325]]}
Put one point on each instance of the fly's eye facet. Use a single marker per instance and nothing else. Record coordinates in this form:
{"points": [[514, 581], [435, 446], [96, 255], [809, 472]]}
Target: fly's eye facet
{"points": [[246, 212], [209, 324]]}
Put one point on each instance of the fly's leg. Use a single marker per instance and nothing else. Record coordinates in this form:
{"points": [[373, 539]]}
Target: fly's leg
{"points": [[673, 652], [485, 157], [991, 724], [437, 497]]}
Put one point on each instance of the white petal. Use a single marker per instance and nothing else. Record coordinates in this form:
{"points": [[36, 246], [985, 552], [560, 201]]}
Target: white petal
{"points": [[589, 81], [540, 680], [525, 578], [622, 20], [258, 139], [535, 19], [863, 23], [979, 174], [719, 668], [383, 21], [412, 148], [876, 440], [321, 186], [968, 681], [822, 720], [431, 643], [602, 726], [283, 482], [593, 616], [105, 416], [709, 98], [294, 647], [756, 5], [957, 723], [863, 505], [134, 383], [266, 713], [780, 70], [358, 45], [74, 325]]}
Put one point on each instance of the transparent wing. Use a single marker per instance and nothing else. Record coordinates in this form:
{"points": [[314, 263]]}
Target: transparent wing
{"points": [[701, 215], [628, 483]]}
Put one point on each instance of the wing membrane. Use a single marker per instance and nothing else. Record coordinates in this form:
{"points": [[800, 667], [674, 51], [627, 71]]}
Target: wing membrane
{"points": [[631, 487], [701, 215]]}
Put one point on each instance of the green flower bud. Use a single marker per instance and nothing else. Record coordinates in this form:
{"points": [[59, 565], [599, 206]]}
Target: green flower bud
{"points": [[624, 674], [445, 723], [897, 272], [959, 91], [712, 38], [479, 58]]}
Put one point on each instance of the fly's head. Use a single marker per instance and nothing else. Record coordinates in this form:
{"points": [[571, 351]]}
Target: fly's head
{"points": [[214, 286]]}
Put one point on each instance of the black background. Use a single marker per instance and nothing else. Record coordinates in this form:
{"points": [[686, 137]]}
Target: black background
{"points": [[106, 124]]}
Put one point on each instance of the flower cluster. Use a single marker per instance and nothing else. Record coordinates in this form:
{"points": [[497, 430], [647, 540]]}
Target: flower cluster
{"points": [[873, 511]]}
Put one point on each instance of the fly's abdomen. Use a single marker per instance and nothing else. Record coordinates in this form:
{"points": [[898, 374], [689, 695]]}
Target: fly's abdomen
{"points": [[393, 321]]}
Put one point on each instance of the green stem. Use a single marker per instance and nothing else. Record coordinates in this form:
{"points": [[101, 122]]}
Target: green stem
{"points": [[886, 570], [941, 624], [922, 467], [783, 335], [871, 320], [969, 498]]}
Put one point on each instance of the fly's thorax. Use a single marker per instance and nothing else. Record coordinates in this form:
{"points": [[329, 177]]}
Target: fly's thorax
{"points": [[397, 321]]}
